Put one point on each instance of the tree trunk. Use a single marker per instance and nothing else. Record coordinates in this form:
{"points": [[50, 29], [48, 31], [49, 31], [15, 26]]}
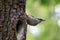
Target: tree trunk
{"points": [[10, 12]]}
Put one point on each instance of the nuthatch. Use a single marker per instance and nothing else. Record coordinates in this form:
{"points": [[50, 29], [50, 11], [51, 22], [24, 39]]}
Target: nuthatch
{"points": [[31, 20]]}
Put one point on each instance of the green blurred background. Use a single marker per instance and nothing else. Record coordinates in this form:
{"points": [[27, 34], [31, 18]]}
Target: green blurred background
{"points": [[48, 10]]}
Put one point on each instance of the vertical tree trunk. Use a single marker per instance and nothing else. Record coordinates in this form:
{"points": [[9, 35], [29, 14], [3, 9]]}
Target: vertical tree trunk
{"points": [[10, 11]]}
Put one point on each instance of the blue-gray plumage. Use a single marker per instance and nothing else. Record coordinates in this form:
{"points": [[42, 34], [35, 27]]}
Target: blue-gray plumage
{"points": [[31, 20]]}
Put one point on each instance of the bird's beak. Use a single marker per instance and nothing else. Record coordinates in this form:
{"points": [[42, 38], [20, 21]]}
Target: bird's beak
{"points": [[41, 19]]}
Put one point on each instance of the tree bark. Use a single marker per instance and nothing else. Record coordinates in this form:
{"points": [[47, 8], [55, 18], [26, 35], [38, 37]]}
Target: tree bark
{"points": [[10, 12]]}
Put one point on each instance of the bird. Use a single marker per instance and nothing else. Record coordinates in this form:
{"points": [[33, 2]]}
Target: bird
{"points": [[33, 21]]}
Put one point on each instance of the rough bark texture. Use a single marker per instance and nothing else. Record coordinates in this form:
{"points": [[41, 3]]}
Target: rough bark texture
{"points": [[10, 11]]}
